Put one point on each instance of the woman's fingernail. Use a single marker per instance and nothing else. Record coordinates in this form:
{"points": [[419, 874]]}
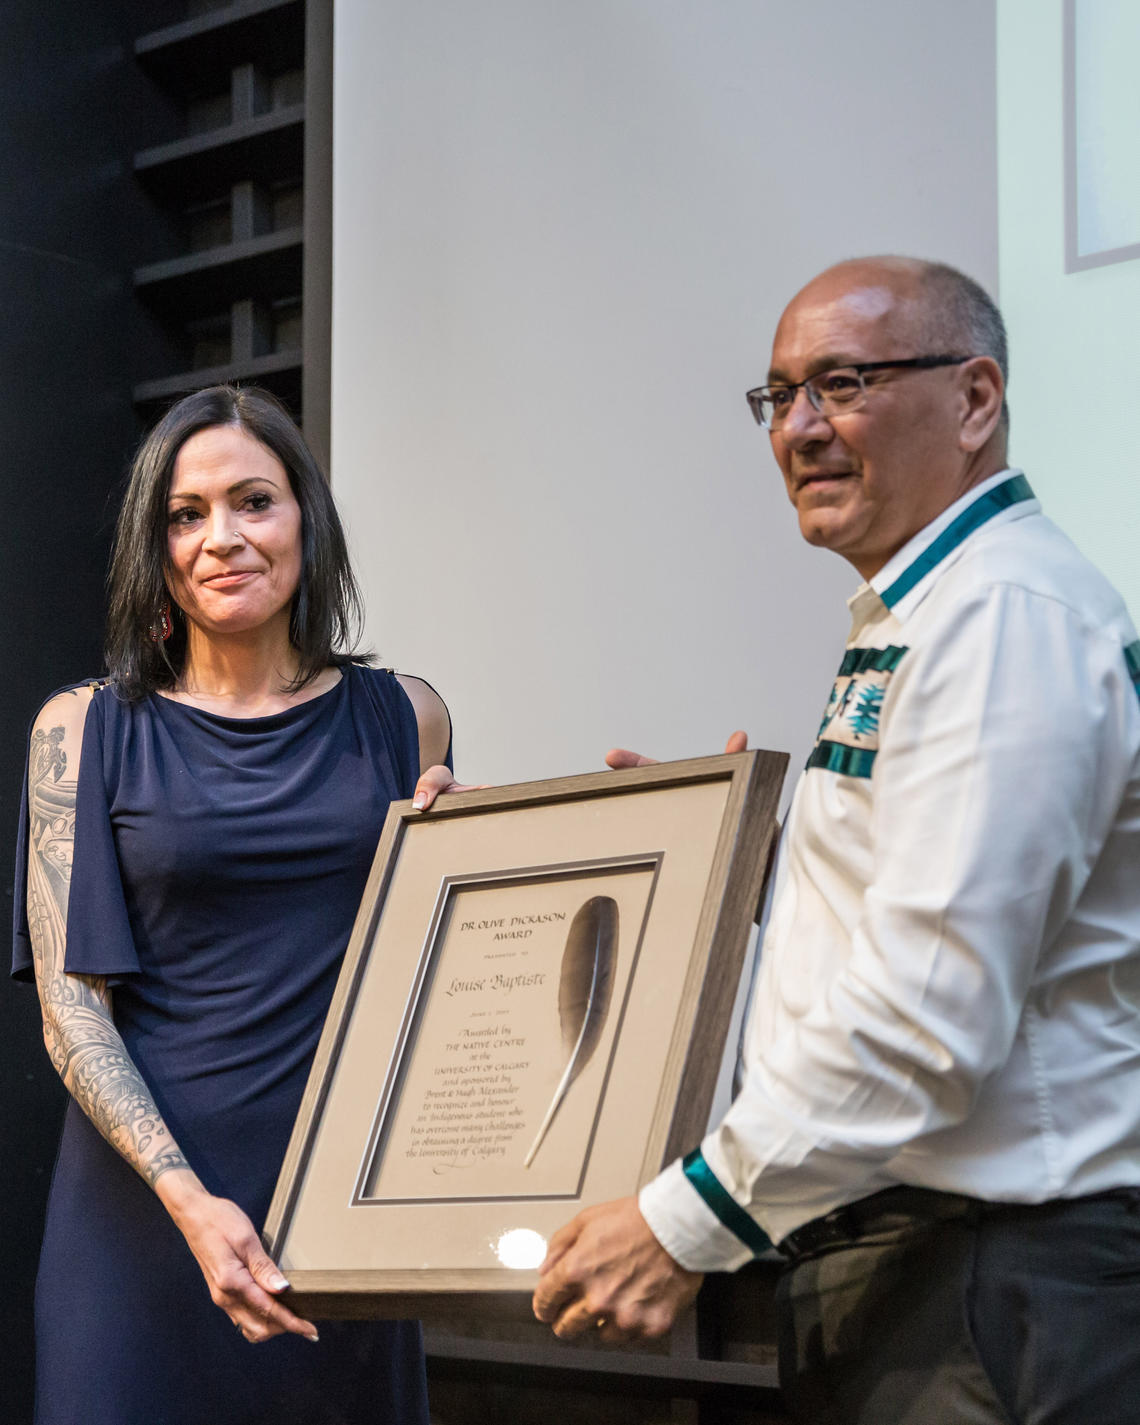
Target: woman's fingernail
{"points": [[279, 1283], [314, 1337], [419, 801]]}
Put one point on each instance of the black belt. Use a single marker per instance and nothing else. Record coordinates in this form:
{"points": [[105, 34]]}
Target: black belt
{"points": [[855, 1220]]}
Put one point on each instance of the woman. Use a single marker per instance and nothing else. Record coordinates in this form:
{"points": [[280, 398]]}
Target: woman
{"points": [[198, 833]]}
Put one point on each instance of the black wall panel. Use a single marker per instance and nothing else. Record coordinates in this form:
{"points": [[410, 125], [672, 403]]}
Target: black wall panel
{"points": [[70, 221]]}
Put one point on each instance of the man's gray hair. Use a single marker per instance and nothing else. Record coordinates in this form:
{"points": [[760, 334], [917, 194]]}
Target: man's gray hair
{"points": [[964, 319]]}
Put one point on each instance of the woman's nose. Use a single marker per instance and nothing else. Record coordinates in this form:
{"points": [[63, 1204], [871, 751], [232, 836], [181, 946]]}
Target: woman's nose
{"points": [[220, 532]]}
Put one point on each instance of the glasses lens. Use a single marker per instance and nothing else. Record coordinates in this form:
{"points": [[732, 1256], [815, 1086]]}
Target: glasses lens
{"points": [[775, 402], [836, 391]]}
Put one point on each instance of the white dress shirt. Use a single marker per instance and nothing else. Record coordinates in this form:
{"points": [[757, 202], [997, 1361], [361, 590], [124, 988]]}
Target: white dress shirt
{"points": [[949, 989]]}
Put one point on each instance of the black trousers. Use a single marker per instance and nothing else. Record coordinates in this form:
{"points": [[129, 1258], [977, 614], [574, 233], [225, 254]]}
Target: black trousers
{"points": [[921, 1308]]}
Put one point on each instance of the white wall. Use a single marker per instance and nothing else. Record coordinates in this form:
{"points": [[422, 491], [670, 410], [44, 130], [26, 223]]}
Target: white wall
{"points": [[1072, 335], [563, 232]]}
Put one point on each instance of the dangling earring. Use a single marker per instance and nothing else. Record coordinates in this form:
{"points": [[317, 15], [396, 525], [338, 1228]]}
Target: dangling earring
{"points": [[164, 627]]}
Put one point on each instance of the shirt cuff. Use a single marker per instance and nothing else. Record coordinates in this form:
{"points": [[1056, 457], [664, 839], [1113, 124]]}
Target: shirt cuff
{"points": [[685, 1207]]}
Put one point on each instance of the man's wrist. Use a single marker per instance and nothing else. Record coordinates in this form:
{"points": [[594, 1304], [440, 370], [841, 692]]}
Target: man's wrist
{"points": [[686, 1227]]}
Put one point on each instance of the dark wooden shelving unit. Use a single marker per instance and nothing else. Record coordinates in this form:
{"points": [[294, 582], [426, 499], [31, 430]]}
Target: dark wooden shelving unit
{"points": [[269, 145], [240, 292], [190, 57], [259, 269], [279, 372], [607, 1372]]}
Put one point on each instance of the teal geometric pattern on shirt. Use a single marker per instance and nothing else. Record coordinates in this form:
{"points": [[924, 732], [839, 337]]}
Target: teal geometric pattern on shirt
{"points": [[859, 660], [865, 719], [847, 761], [848, 736]]}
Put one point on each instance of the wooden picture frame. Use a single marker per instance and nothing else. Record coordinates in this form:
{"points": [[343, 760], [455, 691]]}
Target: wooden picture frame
{"points": [[529, 1019]]}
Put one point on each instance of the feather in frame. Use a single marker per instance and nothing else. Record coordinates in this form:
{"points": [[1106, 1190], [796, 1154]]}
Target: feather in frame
{"points": [[585, 988]]}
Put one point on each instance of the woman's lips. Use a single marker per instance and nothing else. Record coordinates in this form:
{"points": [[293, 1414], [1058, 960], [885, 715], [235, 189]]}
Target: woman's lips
{"points": [[229, 581]]}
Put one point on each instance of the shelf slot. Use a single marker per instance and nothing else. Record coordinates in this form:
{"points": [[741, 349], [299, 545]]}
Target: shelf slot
{"points": [[264, 268], [269, 146], [279, 372], [193, 57]]}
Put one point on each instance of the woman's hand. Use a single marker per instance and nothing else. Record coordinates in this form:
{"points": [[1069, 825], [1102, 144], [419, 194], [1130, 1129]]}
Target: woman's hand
{"points": [[437, 781], [243, 1280]]}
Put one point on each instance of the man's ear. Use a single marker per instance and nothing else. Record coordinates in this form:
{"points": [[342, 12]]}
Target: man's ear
{"points": [[983, 391]]}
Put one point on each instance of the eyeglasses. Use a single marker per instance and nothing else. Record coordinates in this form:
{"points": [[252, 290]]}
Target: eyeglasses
{"points": [[834, 392]]}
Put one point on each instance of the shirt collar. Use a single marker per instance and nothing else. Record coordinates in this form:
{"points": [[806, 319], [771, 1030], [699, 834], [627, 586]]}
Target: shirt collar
{"points": [[907, 575]]}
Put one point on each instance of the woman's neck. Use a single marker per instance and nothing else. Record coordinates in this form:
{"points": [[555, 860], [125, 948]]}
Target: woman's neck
{"points": [[244, 675]]}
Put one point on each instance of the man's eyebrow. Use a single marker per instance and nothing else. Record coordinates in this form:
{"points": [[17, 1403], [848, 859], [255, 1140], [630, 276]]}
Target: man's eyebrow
{"points": [[778, 377]]}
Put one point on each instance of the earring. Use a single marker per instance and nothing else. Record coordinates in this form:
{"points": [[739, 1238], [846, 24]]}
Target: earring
{"points": [[162, 629]]}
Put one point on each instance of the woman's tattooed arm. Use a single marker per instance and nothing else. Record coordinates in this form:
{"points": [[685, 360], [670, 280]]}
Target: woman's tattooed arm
{"points": [[93, 1061], [79, 1032]]}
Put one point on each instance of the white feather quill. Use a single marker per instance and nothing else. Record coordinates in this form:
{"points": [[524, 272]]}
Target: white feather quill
{"points": [[585, 987]]}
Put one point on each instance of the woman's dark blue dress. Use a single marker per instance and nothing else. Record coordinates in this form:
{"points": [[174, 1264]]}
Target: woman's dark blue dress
{"points": [[218, 867]]}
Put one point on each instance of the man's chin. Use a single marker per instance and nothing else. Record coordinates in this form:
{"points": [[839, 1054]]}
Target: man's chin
{"points": [[819, 527]]}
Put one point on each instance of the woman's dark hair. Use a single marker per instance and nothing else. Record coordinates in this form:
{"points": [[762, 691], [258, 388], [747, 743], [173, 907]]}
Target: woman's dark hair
{"points": [[327, 615]]}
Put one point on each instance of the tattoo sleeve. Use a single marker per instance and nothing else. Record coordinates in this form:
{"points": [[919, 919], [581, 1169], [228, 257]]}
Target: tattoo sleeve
{"points": [[79, 1031]]}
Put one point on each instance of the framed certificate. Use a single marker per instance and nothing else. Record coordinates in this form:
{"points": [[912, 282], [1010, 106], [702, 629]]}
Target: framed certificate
{"points": [[529, 1019]]}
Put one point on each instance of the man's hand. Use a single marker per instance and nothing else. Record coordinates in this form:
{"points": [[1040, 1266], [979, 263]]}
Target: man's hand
{"points": [[622, 757], [606, 1273]]}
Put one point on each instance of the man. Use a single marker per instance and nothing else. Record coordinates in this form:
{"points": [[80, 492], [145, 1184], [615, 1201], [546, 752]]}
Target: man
{"points": [[940, 1120]]}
